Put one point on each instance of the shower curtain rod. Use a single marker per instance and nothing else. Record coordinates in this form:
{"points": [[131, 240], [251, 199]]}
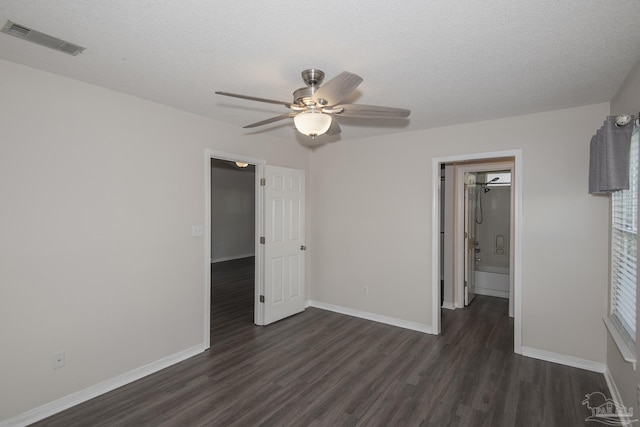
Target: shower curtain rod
{"points": [[625, 119]]}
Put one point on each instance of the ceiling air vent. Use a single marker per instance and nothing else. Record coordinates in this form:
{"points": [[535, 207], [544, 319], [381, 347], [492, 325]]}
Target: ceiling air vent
{"points": [[42, 39]]}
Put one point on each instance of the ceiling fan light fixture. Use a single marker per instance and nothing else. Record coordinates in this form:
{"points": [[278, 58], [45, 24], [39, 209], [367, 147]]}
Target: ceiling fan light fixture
{"points": [[312, 123], [314, 107]]}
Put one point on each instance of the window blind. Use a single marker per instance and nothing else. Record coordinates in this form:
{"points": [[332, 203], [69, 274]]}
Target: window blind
{"points": [[624, 231]]}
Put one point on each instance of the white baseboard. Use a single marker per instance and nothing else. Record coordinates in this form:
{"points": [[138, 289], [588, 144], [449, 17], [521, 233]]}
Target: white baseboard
{"points": [[448, 305], [563, 359], [103, 387], [232, 257], [427, 329], [492, 292], [613, 388]]}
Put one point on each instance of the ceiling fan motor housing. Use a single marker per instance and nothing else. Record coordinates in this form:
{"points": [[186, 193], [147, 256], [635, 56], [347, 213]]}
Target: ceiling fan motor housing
{"points": [[304, 96], [312, 78]]}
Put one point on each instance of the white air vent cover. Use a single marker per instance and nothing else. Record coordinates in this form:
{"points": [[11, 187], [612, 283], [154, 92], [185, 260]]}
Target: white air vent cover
{"points": [[42, 39]]}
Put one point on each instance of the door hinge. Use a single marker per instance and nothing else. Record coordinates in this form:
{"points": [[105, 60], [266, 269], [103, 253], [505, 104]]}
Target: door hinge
{"points": [[263, 182], [262, 240], [261, 298]]}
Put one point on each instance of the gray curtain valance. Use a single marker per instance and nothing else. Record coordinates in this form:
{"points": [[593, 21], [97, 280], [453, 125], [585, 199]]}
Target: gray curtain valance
{"points": [[609, 161]]}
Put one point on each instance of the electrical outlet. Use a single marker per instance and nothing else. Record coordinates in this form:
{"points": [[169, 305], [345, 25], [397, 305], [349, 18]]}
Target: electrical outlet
{"points": [[58, 360], [365, 290]]}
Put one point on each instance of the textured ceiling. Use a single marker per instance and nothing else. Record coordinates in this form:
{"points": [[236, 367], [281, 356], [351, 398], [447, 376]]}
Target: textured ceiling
{"points": [[449, 62]]}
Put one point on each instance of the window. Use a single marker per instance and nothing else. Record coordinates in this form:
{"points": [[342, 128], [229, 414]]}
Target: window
{"points": [[624, 232]]}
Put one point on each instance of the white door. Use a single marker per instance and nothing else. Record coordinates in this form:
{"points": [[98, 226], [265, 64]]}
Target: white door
{"points": [[470, 191], [284, 243]]}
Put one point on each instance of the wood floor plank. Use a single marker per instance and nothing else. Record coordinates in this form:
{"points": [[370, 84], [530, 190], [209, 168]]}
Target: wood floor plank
{"points": [[320, 368]]}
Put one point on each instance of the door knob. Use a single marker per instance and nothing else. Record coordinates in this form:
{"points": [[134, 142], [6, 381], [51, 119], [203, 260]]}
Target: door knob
{"points": [[476, 259]]}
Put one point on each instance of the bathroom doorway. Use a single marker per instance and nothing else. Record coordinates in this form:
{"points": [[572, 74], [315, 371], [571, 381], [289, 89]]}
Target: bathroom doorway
{"points": [[481, 210], [487, 227], [478, 201]]}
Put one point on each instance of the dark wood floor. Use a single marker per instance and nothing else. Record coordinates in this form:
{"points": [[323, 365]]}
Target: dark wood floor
{"points": [[321, 368]]}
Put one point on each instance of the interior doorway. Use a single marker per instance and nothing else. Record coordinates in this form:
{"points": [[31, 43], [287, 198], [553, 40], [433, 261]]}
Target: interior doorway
{"points": [[278, 237], [463, 186], [482, 213], [232, 235], [233, 219], [488, 246]]}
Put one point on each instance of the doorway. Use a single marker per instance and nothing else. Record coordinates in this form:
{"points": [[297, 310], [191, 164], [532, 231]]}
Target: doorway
{"points": [[279, 218], [469, 173], [488, 246], [228, 243], [482, 239], [232, 233]]}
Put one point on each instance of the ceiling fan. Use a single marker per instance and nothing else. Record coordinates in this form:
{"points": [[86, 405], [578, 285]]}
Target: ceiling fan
{"points": [[315, 107]]}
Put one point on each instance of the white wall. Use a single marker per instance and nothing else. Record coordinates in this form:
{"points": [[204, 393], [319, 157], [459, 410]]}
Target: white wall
{"points": [[99, 191], [372, 224], [232, 211], [627, 100]]}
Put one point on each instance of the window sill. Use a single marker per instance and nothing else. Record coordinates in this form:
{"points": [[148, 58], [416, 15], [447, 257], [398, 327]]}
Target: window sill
{"points": [[626, 347]]}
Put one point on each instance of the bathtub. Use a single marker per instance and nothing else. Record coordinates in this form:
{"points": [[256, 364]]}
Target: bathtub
{"points": [[492, 281]]}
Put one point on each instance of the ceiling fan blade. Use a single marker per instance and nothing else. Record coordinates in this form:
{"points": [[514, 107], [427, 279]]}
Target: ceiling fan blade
{"points": [[371, 111], [271, 120], [253, 98], [334, 129], [337, 89]]}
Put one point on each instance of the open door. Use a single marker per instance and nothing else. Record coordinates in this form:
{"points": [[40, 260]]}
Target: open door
{"points": [[470, 242], [284, 244]]}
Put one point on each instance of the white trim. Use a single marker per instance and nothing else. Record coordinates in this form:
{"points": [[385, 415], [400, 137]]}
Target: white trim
{"points": [[613, 388], [59, 405], [626, 348], [492, 292], [206, 333], [406, 324], [221, 155], [258, 307], [232, 257], [614, 392], [448, 305], [516, 265], [563, 359], [435, 246]]}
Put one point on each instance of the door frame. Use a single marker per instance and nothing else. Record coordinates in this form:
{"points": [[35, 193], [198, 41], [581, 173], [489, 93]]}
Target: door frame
{"points": [[516, 265], [259, 224], [462, 238]]}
